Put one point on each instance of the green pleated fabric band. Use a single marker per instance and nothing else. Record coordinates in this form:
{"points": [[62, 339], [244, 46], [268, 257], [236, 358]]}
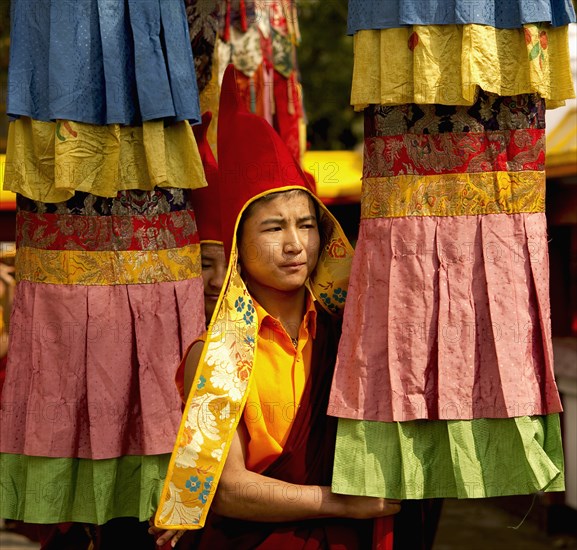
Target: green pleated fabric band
{"points": [[55, 490], [411, 460]]}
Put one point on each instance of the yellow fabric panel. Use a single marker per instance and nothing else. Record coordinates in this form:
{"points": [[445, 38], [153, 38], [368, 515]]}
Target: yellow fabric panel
{"points": [[126, 267], [50, 161], [467, 194], [420, 64]]}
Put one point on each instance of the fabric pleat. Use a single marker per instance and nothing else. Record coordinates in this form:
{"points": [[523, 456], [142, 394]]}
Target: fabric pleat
{"points": [[500, 14], [457, 459], [458, 329], [394, 67], [51, 161], [101, 61], [95, 376], [56, 490]]}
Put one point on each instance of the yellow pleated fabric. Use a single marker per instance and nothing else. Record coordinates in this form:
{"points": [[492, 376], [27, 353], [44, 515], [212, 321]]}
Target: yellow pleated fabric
{"points": [[50, 161], [109, 267], [447, 64], [465, 194]]}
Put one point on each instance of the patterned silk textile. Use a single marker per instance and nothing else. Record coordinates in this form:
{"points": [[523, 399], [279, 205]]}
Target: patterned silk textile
{"points": [[505, 14], [259, 39], [139, 237], [50, 161], [101, 62], [393, 66], [102, 155], [444, 382]]}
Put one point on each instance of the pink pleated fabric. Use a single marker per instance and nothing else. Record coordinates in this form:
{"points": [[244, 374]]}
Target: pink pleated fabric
{"points": [[91, 368], [450, 320]]}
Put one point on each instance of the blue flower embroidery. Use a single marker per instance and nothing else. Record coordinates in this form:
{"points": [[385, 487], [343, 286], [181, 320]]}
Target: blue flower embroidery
{"points": [[239, 304], [203, 495], [192, 484], [249, 340], [249, 313], [201, 383], [328, 302], [339, 295]]}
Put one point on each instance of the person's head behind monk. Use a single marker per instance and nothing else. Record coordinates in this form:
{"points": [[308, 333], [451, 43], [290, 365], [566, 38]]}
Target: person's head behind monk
{"points": [[214, 267]]}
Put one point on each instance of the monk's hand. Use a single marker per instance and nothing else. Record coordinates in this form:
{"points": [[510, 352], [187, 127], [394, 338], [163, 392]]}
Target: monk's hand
{"points": [[369, 507], [163, 536]]}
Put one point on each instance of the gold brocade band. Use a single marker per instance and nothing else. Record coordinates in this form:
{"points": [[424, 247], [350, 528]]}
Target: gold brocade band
{"points": [[394, 66], [126, 267], [465, 194], [50, 161]]}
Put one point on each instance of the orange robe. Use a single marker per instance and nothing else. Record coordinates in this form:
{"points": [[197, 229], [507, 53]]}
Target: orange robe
{"points": [[290, 438]]}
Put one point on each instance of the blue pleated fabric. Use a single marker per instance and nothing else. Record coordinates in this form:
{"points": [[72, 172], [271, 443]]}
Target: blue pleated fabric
{"points": [[501, 14], [101, 61]]}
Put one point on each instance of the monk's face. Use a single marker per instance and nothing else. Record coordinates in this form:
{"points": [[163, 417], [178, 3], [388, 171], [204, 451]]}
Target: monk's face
{"points": [[279, 244]]}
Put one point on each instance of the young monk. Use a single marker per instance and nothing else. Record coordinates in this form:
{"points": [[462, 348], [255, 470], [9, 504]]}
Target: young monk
{"points": [[255, 441]]}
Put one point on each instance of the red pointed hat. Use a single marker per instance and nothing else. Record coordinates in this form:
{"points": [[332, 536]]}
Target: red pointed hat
{"points": [[206, 200], [252, 157]]}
